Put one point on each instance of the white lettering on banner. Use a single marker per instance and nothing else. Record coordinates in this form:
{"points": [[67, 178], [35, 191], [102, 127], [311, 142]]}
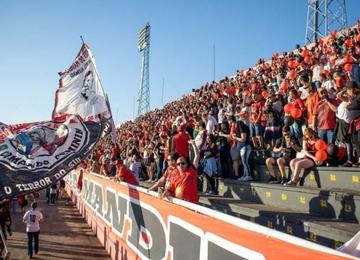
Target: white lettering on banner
{"points": [[36, 185], [8, 190], [148, 236]]}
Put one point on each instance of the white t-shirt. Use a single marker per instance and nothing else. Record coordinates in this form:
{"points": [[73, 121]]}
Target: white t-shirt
{"points": [[32, 219], [221, 115], [199, 139], [211, 123], [304, 93], [343, 113], [135, 167]]}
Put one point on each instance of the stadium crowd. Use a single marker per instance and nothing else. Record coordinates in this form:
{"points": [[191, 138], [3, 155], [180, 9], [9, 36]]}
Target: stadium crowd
{"points": [[300, 109]]}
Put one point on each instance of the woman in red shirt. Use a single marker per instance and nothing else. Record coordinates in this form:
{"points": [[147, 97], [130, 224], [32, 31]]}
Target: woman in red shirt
{"points": [[184, 184], [169, 174], [307, 161]]}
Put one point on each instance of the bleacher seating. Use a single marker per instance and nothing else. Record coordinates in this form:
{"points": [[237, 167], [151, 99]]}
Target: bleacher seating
{"points": [[325, 207]]}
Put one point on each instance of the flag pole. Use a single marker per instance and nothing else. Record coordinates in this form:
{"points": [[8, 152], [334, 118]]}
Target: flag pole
{"points": [[82, 39]]}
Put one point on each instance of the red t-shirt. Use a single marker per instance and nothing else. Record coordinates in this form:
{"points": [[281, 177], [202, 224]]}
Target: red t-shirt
{"points": [[325, 117], [256, 109], [298, 103], [127, 175], [184, 186], [181, 144]]}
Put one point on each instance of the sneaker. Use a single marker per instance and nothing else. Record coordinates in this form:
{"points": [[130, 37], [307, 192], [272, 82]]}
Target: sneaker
{"points": [[271, 179], [247, 178], [348, 164], [241, 178], [275, 181], [211, 192], [290, 183], [283, 181]]}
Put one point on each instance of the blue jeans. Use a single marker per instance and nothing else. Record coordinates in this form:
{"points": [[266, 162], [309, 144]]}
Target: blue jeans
{"points": [[245, 154], [33, 236], [159, 168], [295, 130], [326, 135], [355, 74]]}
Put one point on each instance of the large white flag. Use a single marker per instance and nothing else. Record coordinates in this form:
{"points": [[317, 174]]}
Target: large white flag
{"points": [[80, 91]]}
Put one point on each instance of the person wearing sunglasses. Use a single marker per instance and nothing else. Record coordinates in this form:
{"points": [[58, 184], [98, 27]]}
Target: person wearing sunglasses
{"points": [[163, 183], [183, 185]]}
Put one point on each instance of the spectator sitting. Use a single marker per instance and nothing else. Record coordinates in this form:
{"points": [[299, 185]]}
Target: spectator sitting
{"points": [[285, 149], [308, 159]]}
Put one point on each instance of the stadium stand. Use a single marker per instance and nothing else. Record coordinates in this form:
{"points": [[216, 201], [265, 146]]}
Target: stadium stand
{"points": [[238, 122]]}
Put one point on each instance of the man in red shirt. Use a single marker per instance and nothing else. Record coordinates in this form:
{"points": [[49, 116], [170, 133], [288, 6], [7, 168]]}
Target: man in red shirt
{"points": [[180, 142], [325, 116], [124, 174]]}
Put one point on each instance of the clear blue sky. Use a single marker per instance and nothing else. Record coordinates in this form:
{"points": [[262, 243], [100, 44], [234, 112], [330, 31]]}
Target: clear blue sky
{"points": [[40, 38]]}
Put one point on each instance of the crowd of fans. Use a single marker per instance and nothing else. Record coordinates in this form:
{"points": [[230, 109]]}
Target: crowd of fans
{"points": [[300, 109]]}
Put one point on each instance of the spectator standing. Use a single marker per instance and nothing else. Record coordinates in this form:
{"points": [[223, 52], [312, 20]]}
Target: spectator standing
{"points": [[180, 142], [163, 183], [343, 124], [325, 116], [184, 185], [256, 129], [136, 166], [53, 192], [353, 107], [33, 218], [242, 137], [209, 164], [211, 123]]}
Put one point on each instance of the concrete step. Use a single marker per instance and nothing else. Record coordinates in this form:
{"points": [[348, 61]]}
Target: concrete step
{"points": [[328, 232], [339, 204], [321, 177]]}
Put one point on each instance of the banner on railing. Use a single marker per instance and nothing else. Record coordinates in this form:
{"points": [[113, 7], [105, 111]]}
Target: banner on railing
{"points": [[129, 221]]}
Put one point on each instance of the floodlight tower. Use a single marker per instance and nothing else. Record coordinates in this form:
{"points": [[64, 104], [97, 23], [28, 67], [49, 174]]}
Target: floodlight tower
{"points": [[324, 16], [144, 91]]}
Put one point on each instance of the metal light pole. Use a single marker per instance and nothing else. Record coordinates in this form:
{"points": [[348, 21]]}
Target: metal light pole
{"points": [[144, 91], [324, 16]]}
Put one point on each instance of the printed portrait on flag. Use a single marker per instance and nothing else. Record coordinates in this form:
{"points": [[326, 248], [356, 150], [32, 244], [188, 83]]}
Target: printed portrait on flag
{"points": [[80, 91], [33, 156]]}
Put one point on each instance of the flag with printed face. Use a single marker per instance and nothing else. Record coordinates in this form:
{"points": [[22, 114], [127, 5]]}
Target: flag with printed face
{"points": [[36, 155], [33, 156], [80, 91]]}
